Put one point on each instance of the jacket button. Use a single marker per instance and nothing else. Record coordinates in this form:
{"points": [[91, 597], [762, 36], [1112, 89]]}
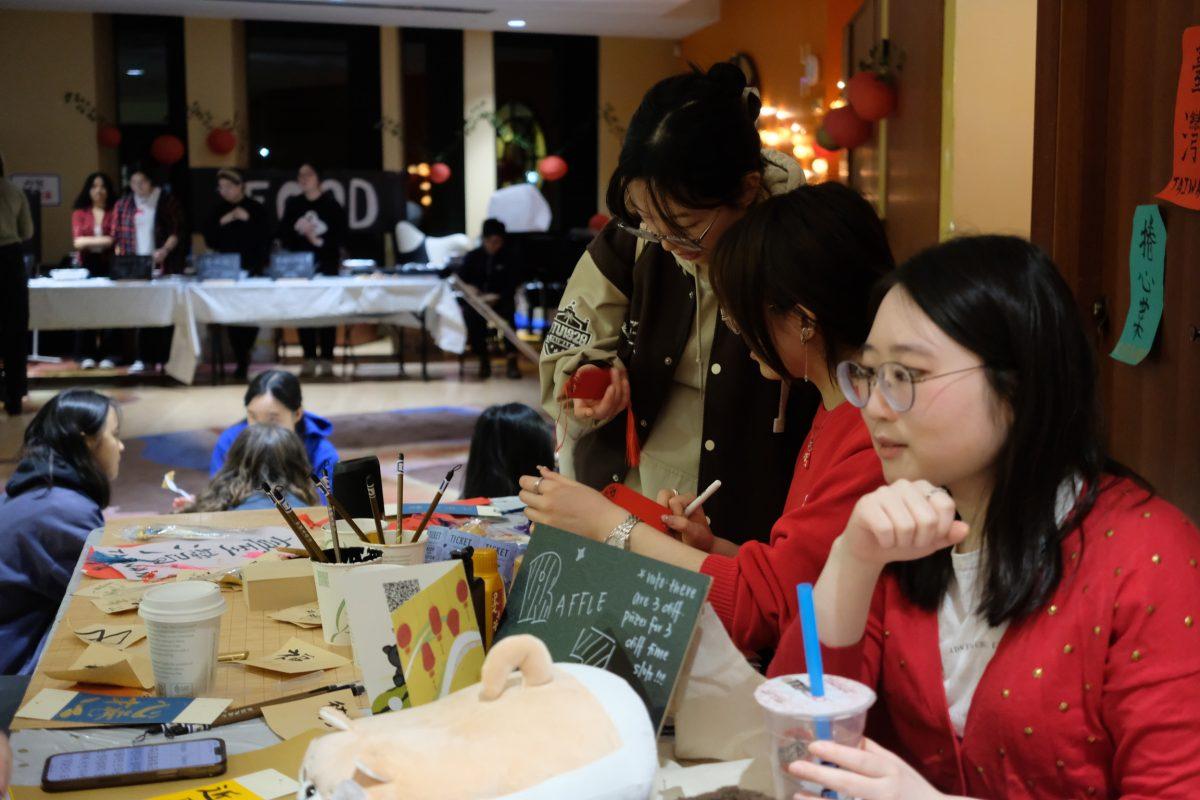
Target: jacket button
{"points": [[668, 361], [715, 369], [616, 478], [710, 445], [644, 424]]}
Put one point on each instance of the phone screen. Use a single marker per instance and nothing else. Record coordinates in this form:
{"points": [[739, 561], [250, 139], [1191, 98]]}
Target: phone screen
{"points": [[132, 760]]}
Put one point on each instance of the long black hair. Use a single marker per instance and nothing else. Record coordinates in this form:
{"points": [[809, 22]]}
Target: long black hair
{"points": [[280, 384], [509, 441], [1003, 299], [56, 438], [821, 247], [83, 201], [692, 140]]}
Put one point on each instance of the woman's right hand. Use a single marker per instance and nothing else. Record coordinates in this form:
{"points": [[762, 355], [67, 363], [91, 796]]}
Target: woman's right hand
{"points": [[615, 398], [692, 530], [905, 521]]}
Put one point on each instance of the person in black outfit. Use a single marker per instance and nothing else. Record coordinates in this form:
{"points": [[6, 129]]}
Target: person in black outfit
{"points": [[16, 227], [239, 224], [491, 269], [314, 221]]}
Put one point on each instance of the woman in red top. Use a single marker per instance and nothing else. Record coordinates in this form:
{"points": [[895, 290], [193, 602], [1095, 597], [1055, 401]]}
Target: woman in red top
{"points": [[794, 275], [1024, 608], [92, 236]]}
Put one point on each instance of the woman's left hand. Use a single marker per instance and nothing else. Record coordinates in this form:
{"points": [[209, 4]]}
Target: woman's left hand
{"points": [[870, 773], [551, 499]]}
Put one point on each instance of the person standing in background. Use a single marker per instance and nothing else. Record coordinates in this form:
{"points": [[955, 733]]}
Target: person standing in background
{"points": [[239, 224], [490, 269], [16, 226], [149, 222], [92, 236], [315, 222]]}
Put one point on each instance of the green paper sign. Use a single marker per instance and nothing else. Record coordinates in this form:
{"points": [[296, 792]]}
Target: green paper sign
{"points": [[1147, 255]]}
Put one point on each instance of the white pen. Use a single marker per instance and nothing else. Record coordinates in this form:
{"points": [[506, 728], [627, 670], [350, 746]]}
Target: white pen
{"points": [[699, 501]]}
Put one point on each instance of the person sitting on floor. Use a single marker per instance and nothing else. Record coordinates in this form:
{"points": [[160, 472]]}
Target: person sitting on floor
{"points": [[269, 453], [273, 398], [491, 270], [70, 456], [509, 441]]}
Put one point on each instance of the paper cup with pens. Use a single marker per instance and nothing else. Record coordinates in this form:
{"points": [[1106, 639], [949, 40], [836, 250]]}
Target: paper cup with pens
{"points": [[801, 709], [396, 549]]}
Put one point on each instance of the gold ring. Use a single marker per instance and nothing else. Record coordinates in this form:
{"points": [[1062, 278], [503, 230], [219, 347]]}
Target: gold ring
{"points": [[537, 487]]}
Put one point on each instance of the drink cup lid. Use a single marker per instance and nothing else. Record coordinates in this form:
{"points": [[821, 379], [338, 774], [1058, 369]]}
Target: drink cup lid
{"points": [[186, 601], [790, 695]]}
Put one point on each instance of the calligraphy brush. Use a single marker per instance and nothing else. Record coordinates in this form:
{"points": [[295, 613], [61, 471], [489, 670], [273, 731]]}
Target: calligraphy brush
{"points": [[289, 516], [337, 547], [375, 512], [323, 486], [399, 496], [437, 498]]}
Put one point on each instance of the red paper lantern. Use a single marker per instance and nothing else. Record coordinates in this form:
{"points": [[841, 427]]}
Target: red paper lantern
{"points": [[404, 636], [452, 621], [597, 222], [871, 97], [552, 168], [166, 149], [848, 129], [821, 152], [221, 141], [439, 172], [109, 136], [825, 142]]}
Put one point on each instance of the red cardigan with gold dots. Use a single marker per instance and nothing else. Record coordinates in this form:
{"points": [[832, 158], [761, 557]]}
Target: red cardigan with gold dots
{"points": [[1096, 695]]}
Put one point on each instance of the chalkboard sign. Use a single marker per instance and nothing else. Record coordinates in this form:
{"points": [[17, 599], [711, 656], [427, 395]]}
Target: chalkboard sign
{"points": [[593, 604]]}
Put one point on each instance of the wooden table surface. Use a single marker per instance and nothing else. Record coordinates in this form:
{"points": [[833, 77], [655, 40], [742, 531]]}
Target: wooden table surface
{"points": [[241, 629]]}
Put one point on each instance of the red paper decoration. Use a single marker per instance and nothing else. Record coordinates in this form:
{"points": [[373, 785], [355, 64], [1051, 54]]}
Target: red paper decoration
{"points": [[821, 152], [166, 149], [109, 136], [439, 172], [871, 97], [452, 621], [221, 141], [552, 168], [404, 636], [825, 142], [848, 129]]}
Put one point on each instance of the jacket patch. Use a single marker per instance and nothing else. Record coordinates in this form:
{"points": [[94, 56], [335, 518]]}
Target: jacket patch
{"points": [[630, 331], [569, 331]]}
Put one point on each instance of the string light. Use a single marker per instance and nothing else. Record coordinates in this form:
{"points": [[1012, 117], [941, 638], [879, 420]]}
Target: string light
{"points": [[820, 166]]}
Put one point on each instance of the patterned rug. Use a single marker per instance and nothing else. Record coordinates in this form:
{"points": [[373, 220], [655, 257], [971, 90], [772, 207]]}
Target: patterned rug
{"points": [[432, 439]]}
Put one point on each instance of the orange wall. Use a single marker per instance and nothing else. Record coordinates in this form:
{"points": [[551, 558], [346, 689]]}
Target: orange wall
{"points": [[774, 32], [838, 13]]}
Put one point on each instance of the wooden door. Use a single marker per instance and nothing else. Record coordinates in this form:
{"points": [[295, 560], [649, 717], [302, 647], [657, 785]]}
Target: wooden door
{"points": [[1106, 78]]}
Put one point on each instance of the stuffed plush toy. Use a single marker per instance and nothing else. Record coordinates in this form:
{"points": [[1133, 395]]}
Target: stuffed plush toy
{"points": [[557, 731]]}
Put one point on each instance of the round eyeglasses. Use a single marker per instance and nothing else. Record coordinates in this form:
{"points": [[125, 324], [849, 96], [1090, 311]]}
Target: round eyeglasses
{"points": [[897, 383], [681, 242]]}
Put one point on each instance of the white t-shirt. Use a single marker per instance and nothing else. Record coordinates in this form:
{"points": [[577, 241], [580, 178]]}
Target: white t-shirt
{"points": [[966, 641], [143, 222]]}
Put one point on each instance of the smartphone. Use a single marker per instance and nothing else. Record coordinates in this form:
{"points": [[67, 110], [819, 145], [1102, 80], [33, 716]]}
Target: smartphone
{"points": [[125, 766]]}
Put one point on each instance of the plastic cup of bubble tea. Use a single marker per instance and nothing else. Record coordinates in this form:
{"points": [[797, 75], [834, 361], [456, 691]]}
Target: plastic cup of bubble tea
{"points": [[183, 626], [795, 719], [330, 578]]}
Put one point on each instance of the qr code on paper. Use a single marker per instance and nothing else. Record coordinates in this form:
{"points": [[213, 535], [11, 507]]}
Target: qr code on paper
{"points": [[400, 592]]}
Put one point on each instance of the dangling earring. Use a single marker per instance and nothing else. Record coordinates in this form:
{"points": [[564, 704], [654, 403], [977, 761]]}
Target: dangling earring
{"points": [[805, 335]]}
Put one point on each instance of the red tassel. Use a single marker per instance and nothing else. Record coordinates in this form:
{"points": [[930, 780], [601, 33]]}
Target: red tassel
{"points": [[633, 447]]}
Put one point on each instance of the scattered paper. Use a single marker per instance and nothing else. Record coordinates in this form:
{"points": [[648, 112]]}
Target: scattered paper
{"points": [[61, 705], [296, 657], [1147, 257], [305, 616], [115, 596], [164, 559], [294, 718], [112, 634], [265, 785], [168, 482], [1184, 187], [108, 666], [227, 576]]}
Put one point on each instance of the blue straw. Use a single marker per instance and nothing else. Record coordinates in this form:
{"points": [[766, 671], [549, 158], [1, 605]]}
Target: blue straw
{"points": [[812, 651]]}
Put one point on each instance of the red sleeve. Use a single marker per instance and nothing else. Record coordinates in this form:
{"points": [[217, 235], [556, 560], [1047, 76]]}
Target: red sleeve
{"points": [[861, 661], [1151, 703], [754, 592], [82, 223]]}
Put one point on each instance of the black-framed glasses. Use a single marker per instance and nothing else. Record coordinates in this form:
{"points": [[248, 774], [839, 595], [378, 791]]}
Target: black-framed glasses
{"points": [[682, 242], [897, 383]]}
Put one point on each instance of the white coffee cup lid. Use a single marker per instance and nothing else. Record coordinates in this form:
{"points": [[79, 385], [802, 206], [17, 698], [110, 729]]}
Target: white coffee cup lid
{"points": [[185, 601], [790, 694]]}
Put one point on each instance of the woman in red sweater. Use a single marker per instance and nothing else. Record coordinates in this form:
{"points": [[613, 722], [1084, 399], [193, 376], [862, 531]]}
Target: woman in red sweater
{"points": [[794, 278], [1025, 609]]}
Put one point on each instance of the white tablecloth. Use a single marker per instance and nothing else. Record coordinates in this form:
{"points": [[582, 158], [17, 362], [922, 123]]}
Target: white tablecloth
{"points": [[102, 303]]}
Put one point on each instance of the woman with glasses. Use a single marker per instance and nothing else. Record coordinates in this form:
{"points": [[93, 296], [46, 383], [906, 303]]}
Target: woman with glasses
{"points": [[685, 405], [794, 277], [1025, 608]]}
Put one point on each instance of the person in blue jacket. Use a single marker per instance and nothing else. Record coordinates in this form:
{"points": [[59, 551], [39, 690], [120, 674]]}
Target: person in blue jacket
{"points": [[70, 456], [273, 398]]}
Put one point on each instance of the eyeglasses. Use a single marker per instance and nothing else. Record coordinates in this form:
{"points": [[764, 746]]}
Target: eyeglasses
{"points": [[682, 242], [897, 383]]}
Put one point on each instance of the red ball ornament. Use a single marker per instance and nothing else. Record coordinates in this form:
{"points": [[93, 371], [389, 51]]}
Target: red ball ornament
{"points": [[166, 149], [221, 141], [871, 97], [821, 152], [825, 141], [109, 136], [427, 658], [552, 168], [435, 620], [452, 621], [439, 172], [848, 129], [404, 636], [461, 591], [597, 222]]}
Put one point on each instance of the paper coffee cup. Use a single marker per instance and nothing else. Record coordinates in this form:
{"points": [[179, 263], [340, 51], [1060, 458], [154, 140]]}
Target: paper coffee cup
{"points": [[183, 625], [331, 594], [795, 719]]}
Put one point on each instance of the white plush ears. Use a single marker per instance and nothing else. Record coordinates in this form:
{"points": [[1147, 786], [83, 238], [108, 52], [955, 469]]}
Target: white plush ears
{"points": [[337, 719], [524, 652]]}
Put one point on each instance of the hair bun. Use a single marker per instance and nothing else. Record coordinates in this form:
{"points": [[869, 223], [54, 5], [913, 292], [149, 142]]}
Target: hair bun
{"points": [[730, 79]]}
